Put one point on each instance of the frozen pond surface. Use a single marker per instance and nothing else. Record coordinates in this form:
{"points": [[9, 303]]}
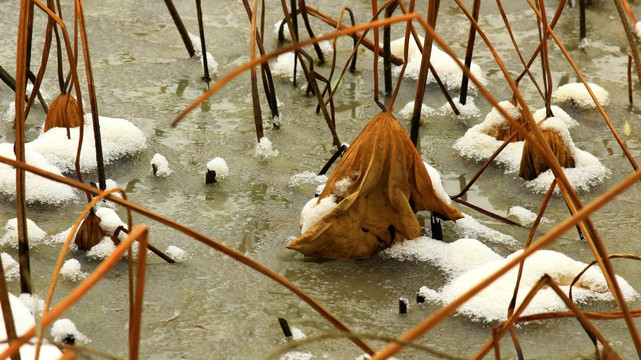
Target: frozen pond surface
{"points": [[210, 306]]}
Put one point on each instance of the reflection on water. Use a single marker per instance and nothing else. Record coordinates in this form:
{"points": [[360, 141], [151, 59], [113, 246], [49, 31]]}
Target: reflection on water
{"points": [[211, 304]]}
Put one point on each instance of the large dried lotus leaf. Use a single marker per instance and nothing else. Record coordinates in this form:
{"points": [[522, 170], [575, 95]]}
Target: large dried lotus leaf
{"points": [[390, 183], [533, 163]]}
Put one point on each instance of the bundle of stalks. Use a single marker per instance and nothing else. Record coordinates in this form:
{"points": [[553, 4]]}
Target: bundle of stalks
{"points": [[89, 234], [63, 112], [533, 163]]}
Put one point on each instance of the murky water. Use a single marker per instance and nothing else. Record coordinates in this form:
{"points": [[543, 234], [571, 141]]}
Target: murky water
{"points": [[212, 307]]}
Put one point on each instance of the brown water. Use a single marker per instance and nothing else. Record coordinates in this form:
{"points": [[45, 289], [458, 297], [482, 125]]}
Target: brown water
{"points": [[212, 307]]}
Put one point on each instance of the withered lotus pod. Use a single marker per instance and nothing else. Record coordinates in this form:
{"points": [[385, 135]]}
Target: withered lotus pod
{"points": [[63, 112], [389, 183], [533, 162], [89, 233], [504, 129]]}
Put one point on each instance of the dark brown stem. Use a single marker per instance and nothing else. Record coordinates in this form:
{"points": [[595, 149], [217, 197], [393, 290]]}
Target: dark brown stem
{"points": [[181, 27], [422, 76], [26, 285], [630, 97], [308, 27], [7, 315], [470, 50], [201, 31], [92, 96], [387, 52], [331, 22], [258, 118]]}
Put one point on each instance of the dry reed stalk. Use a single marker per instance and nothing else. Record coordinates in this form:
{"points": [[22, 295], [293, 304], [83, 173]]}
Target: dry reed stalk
{"points": [[311, 80], [432, 12], [432, 69], [80, 17], [387, 52], [258, 119], [594, 98], [75, 228], [632, 39], [74, 77], [7, 315], [43, 63], [77, 293], [201, 238], [266, 74], [136, 318], [470, 51], [611, 256], [545, 60], [516, 46], [303, 12], [630, 97], [536, 52], [180, 26], [355, 35], [201, 31], [26, 285]]}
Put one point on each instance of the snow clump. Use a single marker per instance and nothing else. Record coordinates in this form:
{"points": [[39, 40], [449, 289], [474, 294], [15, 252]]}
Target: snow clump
{"points": [[10, 238], [65, 328], [578, 95], [160, 165], [219, 165], [264, 149], [71, 270]]}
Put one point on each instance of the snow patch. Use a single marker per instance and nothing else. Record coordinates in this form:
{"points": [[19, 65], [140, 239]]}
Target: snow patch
{"points": [[71, 270], [10, 237], [577, 94]]}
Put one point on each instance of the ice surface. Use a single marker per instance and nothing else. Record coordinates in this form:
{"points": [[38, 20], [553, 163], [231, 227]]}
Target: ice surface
{"points": [[37, 188], [219, 165], [162, 165], [577, 94]]}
